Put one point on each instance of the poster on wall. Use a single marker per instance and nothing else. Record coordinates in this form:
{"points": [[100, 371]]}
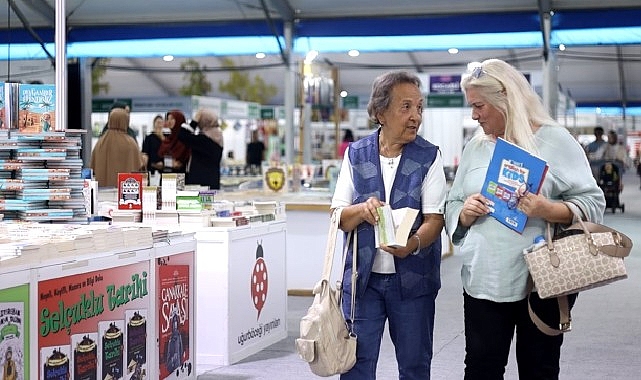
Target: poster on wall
{"points": [[174, 280], [14, 333], [81, 321]]}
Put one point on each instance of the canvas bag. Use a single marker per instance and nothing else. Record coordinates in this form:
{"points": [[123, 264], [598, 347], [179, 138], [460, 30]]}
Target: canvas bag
{"points": [[583, 256], [326, 342]]}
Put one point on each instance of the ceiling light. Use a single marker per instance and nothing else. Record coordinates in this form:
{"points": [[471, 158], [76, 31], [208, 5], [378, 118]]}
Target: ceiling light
{"points": [[452, 50], [168, 58], [260, 55], [311, 55], [343, 94], [562, 47], [353, 53]]}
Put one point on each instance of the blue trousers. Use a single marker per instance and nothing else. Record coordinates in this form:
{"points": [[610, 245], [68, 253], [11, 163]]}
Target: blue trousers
{"points": [[489, 329], [411, 328]]}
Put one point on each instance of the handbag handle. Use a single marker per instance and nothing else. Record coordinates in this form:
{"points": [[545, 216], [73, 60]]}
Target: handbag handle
{"points": [[622, 243], [329, 255]]}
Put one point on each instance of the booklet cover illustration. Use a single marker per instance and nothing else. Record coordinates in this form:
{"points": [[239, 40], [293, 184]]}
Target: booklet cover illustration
{"points": [[110, 348], [511, 173], [85, 356], [136, 344], [37, 104], [55, 363], [12, 340], [173, 322]]}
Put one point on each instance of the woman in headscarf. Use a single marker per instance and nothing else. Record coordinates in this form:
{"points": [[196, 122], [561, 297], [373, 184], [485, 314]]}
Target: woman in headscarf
{"points": [[116, 152], [173, 148], [206, 149]]}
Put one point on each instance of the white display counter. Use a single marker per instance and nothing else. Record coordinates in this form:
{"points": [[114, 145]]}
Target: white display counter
{"points": [[242, 299], [307, 226], [126, 313]]}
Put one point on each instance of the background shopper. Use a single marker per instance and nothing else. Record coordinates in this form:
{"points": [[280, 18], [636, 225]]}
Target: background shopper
{"points": [[115, 152], [173, 151], [204, 138], [151, 145]]}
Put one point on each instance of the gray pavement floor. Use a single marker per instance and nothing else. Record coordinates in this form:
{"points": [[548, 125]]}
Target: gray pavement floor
{"points": [[604, 343]]}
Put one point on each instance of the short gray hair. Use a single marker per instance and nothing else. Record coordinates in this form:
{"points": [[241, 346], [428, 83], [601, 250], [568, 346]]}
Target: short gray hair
{"points": [[382, 87]]}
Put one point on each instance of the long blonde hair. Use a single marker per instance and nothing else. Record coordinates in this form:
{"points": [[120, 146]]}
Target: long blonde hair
{"points": [[507, 89]]}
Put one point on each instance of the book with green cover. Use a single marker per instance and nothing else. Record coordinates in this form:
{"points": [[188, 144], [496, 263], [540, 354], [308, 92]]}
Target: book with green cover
{"points": [[394, 225]]}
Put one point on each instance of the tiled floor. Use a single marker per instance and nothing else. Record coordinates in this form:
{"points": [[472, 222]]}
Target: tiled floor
{"points": [[604, 344]]}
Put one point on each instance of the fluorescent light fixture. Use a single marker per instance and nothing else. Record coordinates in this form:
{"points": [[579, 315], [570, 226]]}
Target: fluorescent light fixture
{"points": [[260, 55], [353, 53], [220, 46], [168, 58], [452, 50], [613, 111]]}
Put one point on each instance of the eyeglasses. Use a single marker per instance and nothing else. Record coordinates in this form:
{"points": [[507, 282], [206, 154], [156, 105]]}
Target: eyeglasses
{"points": [[515, 197], [478, 72]]}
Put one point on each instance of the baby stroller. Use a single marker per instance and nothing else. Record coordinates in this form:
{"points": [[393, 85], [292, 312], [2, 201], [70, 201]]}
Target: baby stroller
{"points": [[610, 182]]}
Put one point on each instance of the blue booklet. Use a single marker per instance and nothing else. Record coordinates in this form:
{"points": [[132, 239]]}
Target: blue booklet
{"points": [[511, 173]]}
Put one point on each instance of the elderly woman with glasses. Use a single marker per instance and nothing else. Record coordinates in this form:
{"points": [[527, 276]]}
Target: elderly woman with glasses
{"points": [[204, 138], [494, 272]]}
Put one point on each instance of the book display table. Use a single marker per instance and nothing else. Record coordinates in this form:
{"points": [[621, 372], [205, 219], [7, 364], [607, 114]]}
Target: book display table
{"points": [[124, 313]]}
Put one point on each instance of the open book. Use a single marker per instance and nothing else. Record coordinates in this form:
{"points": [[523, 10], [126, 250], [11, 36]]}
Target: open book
{"points": [[511, 173], [394, 226]]}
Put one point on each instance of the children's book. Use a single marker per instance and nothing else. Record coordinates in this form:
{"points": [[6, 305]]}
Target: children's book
{"points": [[394, 225], [37, 103], [512, 172]]}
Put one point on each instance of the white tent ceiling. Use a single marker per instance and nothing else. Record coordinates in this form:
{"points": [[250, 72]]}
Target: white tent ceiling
{"points": [[591, 74]]}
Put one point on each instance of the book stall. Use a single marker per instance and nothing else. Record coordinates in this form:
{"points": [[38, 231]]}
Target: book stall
{"points": [[240, 260], [87, 301]]}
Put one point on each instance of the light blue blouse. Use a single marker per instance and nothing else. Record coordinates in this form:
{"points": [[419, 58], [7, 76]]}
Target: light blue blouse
{"points": [[493, 263]]}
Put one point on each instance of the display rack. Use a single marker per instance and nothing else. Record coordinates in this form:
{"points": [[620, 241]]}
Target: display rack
{"points": [[40, 176]]}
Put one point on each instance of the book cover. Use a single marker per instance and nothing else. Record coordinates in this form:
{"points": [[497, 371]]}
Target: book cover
{"points": [[136, 344], [84, 358], [55, 362], [168, 191], [110, 349], [512, 171], [173, 320], [130, 191], [394, 225], [12, 344], [37, 103]]}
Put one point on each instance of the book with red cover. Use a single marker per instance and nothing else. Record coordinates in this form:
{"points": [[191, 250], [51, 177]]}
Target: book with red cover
{"points": [[511, 172], [130, 191], [173, 319]]}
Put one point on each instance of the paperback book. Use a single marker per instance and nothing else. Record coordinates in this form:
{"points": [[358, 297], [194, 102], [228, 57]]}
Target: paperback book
{"points": [[130, 191], [37, 104], [512, 172], [394, 225]]}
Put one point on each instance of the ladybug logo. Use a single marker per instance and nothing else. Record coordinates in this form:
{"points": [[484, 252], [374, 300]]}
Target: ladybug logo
{"points": [[259, 281]]}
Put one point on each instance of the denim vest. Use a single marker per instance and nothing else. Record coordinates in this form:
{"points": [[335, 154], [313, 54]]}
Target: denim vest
{"points": [[420, 274]]}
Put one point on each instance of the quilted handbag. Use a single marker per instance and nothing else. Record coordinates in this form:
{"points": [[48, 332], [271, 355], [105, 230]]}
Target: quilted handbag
{"points": [[326, 342], [583, 256]]}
